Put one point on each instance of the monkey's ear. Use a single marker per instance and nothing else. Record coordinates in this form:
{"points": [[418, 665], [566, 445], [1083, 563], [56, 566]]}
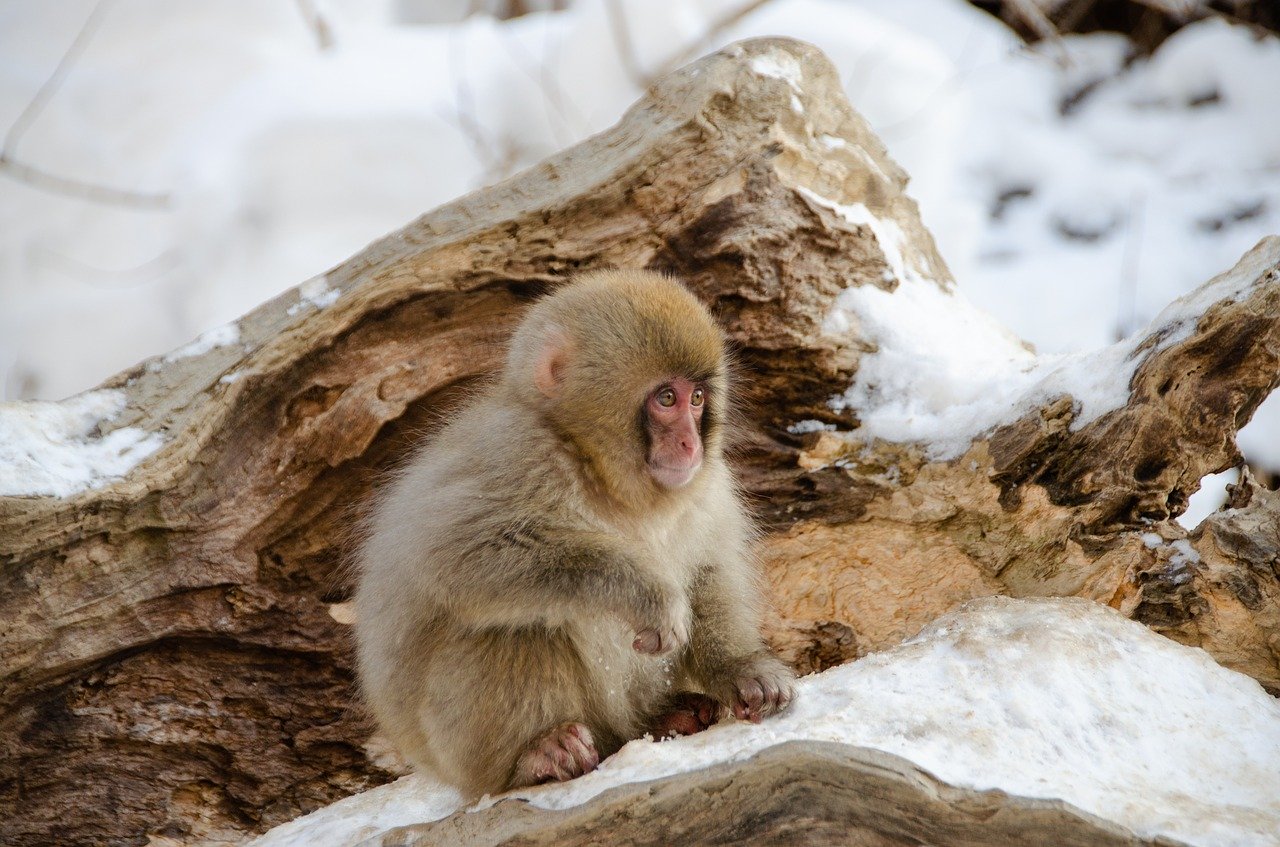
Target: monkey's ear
{"points": [[548, 369]]}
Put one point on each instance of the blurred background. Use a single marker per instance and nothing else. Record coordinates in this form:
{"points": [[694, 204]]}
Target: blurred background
{"points": [[167, 165]]}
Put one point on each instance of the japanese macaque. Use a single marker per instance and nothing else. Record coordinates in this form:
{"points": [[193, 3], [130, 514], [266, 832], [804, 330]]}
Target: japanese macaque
{"points": [[566, 565]]}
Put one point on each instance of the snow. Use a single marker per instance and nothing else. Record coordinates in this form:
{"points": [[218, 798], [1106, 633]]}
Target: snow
{"points": [[942, 372], [412, 799], [779, 66], [315, 293], [1158, 177], [220, 336], [802, 427], [60, 449], [1059, 699], [1208, 498]]}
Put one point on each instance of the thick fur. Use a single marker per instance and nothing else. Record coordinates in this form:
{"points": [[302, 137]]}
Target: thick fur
{"points": [[511, 564]]}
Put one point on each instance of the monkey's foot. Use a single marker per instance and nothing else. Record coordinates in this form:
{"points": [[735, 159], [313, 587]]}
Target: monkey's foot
{"points": [[688, 713], [565, 752], [764, 688]]}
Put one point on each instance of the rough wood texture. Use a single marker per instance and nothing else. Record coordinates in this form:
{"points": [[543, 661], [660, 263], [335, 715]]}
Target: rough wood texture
{"points": [[173, 666], [801, 792]]}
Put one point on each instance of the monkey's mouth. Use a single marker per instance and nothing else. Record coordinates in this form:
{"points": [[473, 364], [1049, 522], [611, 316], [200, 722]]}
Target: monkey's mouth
{"points": [[674, 476]]}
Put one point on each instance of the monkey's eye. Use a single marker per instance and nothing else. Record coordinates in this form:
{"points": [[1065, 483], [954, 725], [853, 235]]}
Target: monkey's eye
{"points": [[667, 397], [697, 398]]}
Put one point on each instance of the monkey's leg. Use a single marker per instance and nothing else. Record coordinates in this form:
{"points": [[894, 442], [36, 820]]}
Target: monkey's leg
{"points": [[687, 713], [727, 654], [513, 706]]}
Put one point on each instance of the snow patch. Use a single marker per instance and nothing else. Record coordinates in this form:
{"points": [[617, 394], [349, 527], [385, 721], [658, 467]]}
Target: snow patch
{"points": [[219, 336], [1057, 699], [58, 449], [803, 427], [944, 372], [1208, 498], [409, 800], [781, 66], [888, 234], [314, 292]]}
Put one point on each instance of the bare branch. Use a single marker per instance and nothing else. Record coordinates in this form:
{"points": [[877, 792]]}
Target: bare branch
{"points": [[622, 40], [708, 38], [81, 189], [317, 23], [53, 183]]}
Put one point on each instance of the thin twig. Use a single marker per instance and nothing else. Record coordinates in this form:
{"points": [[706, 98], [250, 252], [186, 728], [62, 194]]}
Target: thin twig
{"points": [[39, 178], [464, 107], [1069, 18], [80, 189], [556, 102], [699, 47], [1036, 20], [622, 40], [1127, 305], [317, 23]]}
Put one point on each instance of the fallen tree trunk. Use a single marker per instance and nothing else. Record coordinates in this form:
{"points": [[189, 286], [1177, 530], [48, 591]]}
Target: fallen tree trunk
{"points": [[811, 792], [175, 661]]}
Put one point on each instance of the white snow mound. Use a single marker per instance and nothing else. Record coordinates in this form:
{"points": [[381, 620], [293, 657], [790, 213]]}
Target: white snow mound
{"points": [[58, 449], [1050, 698]]}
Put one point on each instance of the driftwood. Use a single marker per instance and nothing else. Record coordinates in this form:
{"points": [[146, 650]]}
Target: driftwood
{"points": [[175, 664], [800, 792]]}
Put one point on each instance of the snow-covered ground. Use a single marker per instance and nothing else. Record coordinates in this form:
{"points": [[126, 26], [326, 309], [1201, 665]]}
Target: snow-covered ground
{"points": [[1060, 699]]}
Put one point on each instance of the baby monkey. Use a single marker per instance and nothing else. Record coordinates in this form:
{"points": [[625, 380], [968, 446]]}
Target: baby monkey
{"points": [[566, 566]]}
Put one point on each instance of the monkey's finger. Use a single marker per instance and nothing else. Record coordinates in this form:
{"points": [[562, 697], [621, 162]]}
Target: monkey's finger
{"points": [[752, 697], [772, 696]]}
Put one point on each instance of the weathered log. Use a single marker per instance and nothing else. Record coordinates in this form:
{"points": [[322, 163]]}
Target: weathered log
{"points": [[173, 663], [809, 792]]}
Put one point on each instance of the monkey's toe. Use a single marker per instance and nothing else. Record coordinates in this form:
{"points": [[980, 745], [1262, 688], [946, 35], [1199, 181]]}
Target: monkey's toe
{"points": [[689, 713], [566, 752], [764, 692]]}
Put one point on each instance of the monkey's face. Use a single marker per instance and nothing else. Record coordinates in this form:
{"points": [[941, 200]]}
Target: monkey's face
{"points": [[673, 420]]}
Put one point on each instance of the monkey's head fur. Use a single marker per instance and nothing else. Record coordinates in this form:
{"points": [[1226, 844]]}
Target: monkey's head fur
{"points": [[590, 358]]}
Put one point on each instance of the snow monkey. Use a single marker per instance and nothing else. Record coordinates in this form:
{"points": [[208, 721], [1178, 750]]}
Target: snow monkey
{"points": [[566, 565]]}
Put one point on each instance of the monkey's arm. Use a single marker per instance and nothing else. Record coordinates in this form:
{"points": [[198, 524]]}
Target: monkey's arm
{"points": [[538, 574], [727, 655]]}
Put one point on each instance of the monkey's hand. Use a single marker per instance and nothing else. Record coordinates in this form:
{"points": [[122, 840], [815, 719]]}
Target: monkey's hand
{"points": [[662, 624], [763, 686]]}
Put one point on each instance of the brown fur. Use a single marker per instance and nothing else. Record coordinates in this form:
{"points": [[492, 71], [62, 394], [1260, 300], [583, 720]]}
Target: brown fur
{"points": [[512, 563]]}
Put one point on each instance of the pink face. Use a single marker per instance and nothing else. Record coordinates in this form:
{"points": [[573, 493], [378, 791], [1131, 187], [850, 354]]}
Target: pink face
{"points": [[674, 414]]}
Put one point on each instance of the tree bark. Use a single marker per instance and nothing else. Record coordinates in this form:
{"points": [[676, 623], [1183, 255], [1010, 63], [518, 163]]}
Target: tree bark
{"points": [[175, 661]]}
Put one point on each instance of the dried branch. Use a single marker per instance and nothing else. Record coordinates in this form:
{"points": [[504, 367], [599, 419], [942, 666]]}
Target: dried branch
{"points": [[53, 183]]}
